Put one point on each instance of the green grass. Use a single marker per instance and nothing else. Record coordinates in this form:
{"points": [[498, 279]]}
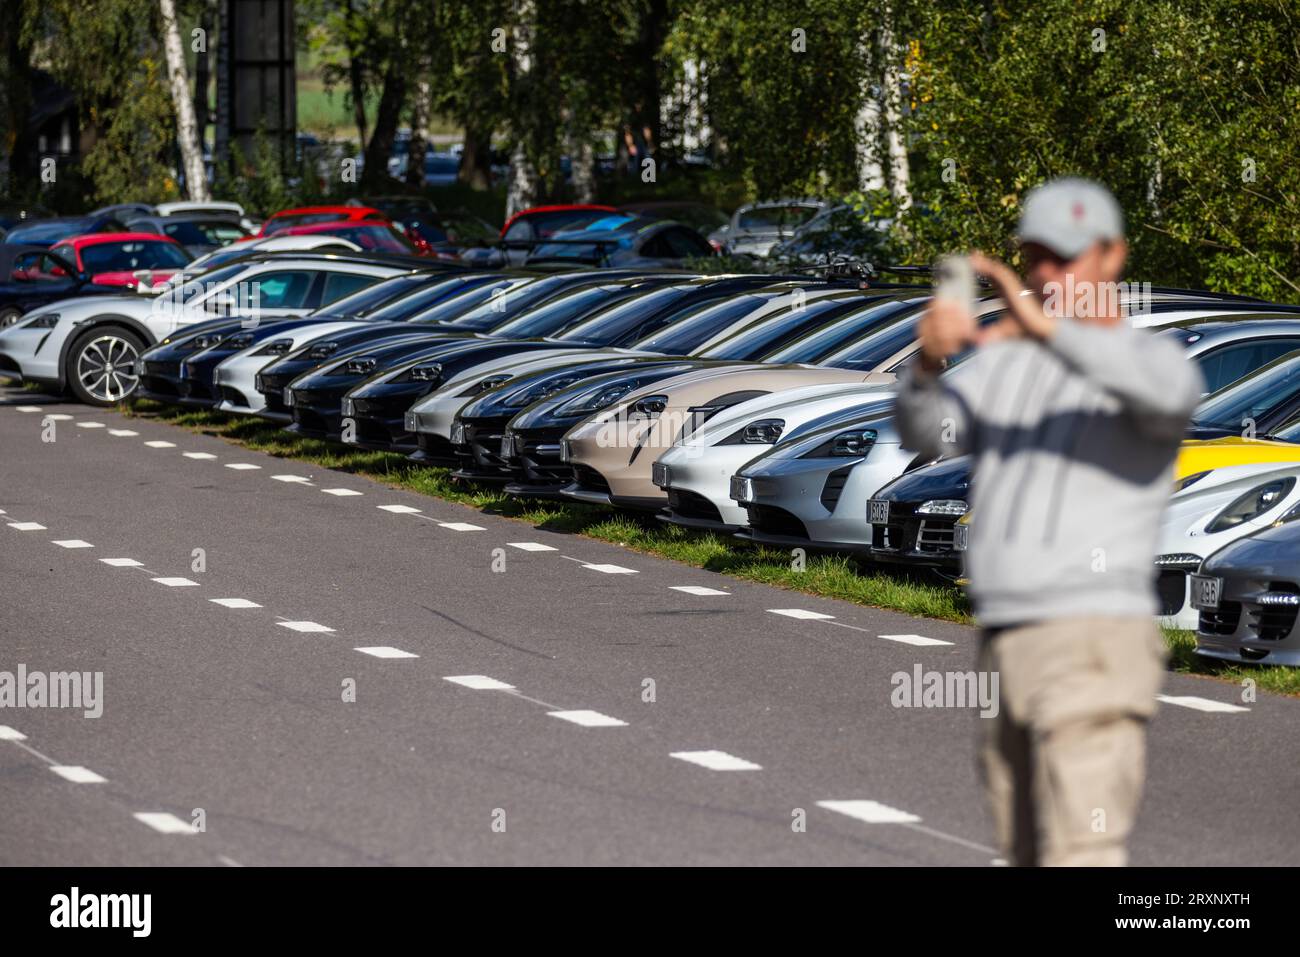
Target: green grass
{"points": [[826, 576]]}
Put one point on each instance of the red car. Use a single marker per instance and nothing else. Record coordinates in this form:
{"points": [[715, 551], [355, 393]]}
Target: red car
{"points": [[310, 215], [381, 237], [113, 259], [537, 222]]}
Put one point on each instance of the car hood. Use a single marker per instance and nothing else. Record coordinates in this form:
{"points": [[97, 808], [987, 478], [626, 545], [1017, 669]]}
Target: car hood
{"points": [[796, 406]]}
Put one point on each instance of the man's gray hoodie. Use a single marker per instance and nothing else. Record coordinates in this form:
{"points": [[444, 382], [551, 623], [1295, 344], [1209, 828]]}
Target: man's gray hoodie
{"points": [[1073, 439]]}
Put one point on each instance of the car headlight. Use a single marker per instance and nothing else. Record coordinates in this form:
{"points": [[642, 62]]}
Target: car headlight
{"points": [[596, 401], [47, 321], [483, 385], [760, 432], [942, 506], [276, 347], [1189, 480], [240, 340], [1251, 505], [322, 350], [651, 406], [429, 372], [854, 444], [362, 365]]}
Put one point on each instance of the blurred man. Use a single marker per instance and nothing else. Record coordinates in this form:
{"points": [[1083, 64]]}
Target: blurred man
{"points": [[1073, 418]]}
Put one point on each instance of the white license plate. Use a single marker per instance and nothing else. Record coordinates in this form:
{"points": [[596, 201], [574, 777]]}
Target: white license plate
{"points": [[742, 489], [565, 451], [288, 397], [349, 407], [878, 511], [410, 422], [1206, 591], [458, 433], [960, 537], [660, 474], [507, 445]]}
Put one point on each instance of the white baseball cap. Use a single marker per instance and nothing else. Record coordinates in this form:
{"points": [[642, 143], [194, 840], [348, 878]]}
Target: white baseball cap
{"points": [[1070, 214]]}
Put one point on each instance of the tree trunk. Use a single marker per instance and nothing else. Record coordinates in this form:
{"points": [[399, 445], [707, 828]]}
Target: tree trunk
{"points": [[387, 116], [476, 160], [196, 181], [892, 94], [866, 125], [522, 190], [356, 81], [419, 132], [203, 71]]}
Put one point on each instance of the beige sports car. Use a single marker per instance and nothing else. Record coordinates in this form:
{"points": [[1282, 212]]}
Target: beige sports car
{"points": [[612, 453]]}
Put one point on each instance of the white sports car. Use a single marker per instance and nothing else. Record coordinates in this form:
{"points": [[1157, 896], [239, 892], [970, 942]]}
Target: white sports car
{"points": [[1210, 511], [90, 345]]}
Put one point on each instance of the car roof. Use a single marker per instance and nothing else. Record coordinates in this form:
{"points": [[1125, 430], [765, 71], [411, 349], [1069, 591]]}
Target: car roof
{"points": [[557, 208], [345, 212], [95, 239]]}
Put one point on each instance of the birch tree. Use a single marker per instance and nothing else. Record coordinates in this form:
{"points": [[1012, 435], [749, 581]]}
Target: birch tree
{"points": [[187, 134]]}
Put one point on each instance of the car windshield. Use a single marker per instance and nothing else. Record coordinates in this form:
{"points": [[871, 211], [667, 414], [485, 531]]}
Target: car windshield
{"points": [[132, 254], [279, 224], [701, 322], [46, 232], [370, 298], [480, 308], [424, 294], [187, 233], [628, 317], [1247, 400], [558, 313], [378, 237], [775, 330], [776, 217], [873, 319]]}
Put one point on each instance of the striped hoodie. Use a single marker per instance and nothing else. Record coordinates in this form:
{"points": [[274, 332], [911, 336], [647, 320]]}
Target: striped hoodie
{"points": [[1073, 440]]}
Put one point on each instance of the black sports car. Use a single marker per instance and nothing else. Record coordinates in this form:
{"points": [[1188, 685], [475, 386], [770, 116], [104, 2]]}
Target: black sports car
{"points": [[32, 276], [914, 518]]}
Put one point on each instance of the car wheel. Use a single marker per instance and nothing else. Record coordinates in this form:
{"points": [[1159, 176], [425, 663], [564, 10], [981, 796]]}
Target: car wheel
{"points": [[9, 317], [96, 363]]}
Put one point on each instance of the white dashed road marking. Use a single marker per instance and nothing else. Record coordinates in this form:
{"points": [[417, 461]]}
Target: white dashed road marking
{"points": [[72, 543], [1200, 704], [915, 640], [800, 613], [872, 812], [479, 682], [122, 562], [77, 774], [461, 526], [305, 626], [90, 425], [58, 417], [611, 569], [28, 408], [588, 719], [123, 433], [716, 760], [341, 491], [27, 526], [242, 466], [234, 603], [198, 455], [164, 822], [298, 479], [384, 651], [398, 509], [160, 444], [11, 734], [531, 546], [176, 582], [698, 590]]}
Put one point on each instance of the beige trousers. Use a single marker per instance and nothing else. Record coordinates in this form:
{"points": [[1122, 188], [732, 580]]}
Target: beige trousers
{"points": [[1064, 760]]}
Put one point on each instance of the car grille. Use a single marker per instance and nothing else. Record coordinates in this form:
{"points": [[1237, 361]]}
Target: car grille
{"points": [[1222, 620], [834, 487], [158, 386], [771, 520], [935, 535], [1171, 590], [307, 420], [195, 389], [692, 505]]}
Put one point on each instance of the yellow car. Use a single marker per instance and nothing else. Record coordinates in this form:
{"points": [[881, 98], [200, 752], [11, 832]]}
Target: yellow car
{"points": [[1203, 455]]}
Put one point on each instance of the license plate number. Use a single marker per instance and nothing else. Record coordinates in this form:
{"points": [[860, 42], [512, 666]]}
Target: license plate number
{"points": [[877, 511], [507, 446], [458, 433], [742, 489], [288, 397], [659, 474], [1206, 591], [960, 537], [349, 407]]}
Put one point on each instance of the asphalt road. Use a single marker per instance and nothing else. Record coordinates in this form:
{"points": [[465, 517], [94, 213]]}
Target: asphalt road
{"points": [[501, 676]]}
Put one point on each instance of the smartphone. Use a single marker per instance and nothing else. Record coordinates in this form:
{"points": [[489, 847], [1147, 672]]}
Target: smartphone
{"points": [[954, 280]]}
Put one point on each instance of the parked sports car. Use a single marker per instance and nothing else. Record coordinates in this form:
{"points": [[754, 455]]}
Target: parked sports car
{"points": [[913, 519], [1207, 513], [1248, 594], [622, 240], [124, 259], [697, 472], [198, 234]]}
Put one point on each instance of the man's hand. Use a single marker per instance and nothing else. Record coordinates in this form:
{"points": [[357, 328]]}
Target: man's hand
{"points": [[945, 329], [1024, 313]]}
